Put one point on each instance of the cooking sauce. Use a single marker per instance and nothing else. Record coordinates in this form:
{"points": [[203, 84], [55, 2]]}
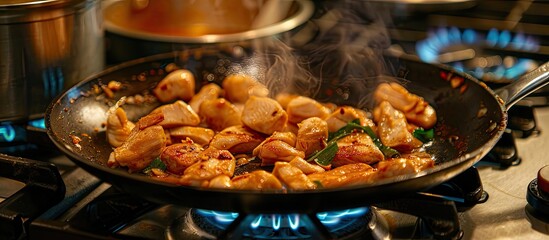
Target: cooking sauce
{"points": [[183, 18]]}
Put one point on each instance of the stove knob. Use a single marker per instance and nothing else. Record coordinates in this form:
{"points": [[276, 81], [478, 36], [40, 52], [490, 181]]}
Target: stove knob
{"points": [[538, 191], [543, 180]]}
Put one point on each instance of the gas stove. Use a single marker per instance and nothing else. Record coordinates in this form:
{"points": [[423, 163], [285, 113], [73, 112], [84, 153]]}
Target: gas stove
{"points": [[493, 41]]}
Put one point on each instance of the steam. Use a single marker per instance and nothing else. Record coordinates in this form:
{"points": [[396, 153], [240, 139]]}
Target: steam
{"points": [[337, 53]]}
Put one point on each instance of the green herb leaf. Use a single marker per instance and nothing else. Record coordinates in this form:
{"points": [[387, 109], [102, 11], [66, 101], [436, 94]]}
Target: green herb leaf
{"points": [[354, 126], [156, 163], [325, 156], [424, 135]]}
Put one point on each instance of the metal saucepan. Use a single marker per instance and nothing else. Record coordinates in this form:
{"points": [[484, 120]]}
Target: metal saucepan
{"points": [[471, 117]]}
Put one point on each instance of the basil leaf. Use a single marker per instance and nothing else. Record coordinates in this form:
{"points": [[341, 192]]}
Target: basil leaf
{"points": [[424, 135], [156, 163], [355, 125], [325, 156]]}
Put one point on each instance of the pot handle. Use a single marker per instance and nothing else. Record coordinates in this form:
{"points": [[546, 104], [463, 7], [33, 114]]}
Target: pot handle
{"points": [[527, 84]]}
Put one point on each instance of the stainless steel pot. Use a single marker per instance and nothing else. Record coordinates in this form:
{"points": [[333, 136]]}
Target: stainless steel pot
{"points": [[272, 19], [46, 46]]}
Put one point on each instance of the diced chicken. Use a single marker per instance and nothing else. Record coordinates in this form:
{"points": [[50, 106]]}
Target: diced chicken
{"points": [[356, 148], [271, 151], [239, 87], [177, 114], [264, 115], [292, 177], [141, 148], [180, 156], [285, 98], [207, 92], [306, 167], [348, 175], [237, 139], [256, 180], [415, 108], [179, 84], [393, 128], [213, 163], [219, 114], [301, 108], [199, 135], [312, 135], [401, 166], [221, 181], [118, 127], [341, 116]]}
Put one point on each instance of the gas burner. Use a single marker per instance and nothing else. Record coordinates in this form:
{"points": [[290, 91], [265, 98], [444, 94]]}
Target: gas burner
{"points": [[494, 56], [348, 224]]}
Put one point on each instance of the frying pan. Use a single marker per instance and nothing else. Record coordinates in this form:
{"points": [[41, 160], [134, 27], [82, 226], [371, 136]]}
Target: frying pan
{"points": [[471, 119]]}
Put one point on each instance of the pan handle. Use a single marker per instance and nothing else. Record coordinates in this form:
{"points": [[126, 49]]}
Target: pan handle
{"points": [[527, 84]]}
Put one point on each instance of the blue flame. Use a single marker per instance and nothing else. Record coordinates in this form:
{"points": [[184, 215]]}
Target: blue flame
{"points": [[7, 132], [38, 123]]}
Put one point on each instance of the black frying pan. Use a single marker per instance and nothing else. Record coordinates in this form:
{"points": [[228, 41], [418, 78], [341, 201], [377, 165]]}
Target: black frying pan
{"points": [[471, 120]]}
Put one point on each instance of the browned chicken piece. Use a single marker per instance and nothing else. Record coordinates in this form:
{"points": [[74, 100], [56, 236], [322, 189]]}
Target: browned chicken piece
{"points": [[239, 87], [264, 115], [285, 98], [415, 108], [356, 148], [237, 139], [306, 167], [291, 127], [401, 166], [180, 156], [256, 180], [341, 116], [177, 114], [213, 162], [292, 177], [219, 114], [312, 135], [141, 148], [179, 84], [221, 181], [348, 175], [392, 128], [118, 127], [278, 147], [199, 135], [301, 108], [207, 92]]}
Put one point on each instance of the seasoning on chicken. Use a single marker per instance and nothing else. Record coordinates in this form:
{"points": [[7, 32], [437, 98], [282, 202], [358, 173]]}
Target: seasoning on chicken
{"points": [[415, 108], [278, 147], [213, 162], [292, 177], [219, 114], [301, 108], [356, 148], [305, 166], [312, 135], [347, 175], [179, 84], [264, 115], [237, 139], [256, 180], [141, 147], [239, 87], [342, 115], [207, 92], [118, 127], [405, 165], [180, 156], [177, 114], [199, 135], [393, 128]]}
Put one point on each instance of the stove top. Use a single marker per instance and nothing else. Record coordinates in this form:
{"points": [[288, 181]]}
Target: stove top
{"points": [[496, 41]]}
